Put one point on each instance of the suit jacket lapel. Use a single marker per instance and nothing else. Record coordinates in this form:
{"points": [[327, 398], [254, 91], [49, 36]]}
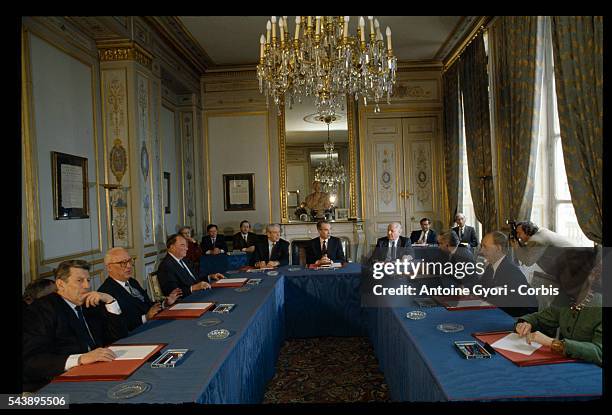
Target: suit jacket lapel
{"points": [[75, 324]]}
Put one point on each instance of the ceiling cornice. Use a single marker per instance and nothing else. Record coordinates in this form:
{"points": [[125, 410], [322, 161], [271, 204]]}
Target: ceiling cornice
{"points": [[172, 30], [477, 26]]}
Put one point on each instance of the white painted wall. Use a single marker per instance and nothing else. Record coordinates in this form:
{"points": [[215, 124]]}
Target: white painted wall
{"points": [[63, 121], [171, 165], [239, 144]]}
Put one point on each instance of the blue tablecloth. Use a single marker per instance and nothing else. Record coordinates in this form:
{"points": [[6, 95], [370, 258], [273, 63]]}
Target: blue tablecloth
{"points": [[234, 370], [420, 362], [210, 264], [323, 302]]}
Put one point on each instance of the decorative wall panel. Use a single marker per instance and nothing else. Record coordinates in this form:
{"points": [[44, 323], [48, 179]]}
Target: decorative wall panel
{"points": [[386, 180], [145, 168]]}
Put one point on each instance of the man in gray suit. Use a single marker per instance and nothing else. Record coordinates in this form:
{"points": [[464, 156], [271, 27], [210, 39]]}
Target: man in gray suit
{"points": [[534, 244]]}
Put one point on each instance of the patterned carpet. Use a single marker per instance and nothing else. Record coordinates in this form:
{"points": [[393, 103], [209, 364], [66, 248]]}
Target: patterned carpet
{"points": [[325, 370]]}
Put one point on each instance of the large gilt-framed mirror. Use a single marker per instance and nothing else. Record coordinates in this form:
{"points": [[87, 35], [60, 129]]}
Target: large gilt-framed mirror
{"points": [[304, 145]]}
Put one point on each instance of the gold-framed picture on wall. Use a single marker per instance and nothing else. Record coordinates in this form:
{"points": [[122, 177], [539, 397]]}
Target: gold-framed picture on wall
{"points": [[341, 214], [239, 191], [70, 190]]}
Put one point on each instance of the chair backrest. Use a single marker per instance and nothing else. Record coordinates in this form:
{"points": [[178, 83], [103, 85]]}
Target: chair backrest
{"points": [[346, 247], [153, 287], [298, 251]]}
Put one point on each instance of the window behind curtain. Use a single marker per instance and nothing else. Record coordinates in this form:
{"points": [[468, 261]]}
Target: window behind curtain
{"points": [[552, 204], [465, 205]]}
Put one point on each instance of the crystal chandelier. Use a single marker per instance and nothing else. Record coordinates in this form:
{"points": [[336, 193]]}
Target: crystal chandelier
{"points": [[330, 173], [323, 61]]}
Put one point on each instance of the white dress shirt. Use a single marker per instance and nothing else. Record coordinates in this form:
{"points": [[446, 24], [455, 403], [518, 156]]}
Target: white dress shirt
{"points": [[73, 359]]}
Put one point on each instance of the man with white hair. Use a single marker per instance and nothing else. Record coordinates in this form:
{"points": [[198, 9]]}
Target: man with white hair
{"points": [[135, 304], [393, 246], [274, 251], [466, 233]]}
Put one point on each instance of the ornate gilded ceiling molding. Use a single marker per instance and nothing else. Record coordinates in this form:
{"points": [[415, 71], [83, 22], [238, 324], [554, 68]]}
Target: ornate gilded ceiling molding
{"points": [[124, 51]]}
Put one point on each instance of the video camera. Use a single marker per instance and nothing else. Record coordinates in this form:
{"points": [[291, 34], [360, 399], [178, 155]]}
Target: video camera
{"points": [[513, 235]]}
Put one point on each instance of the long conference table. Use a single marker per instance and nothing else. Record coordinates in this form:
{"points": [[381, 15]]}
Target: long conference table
{"points": [[419, 362]]}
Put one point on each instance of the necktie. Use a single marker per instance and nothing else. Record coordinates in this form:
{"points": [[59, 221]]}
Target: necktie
{"points": [[245, 238], [187, 269], [213, 241], [324, 248], [423, 237], [271, 249], [90, 341], [134, 291], [391, 251]]}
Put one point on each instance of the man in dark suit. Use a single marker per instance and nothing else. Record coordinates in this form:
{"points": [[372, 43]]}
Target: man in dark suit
{"points": [[393, 246], [466, 233], [451, 252], [135, 304], [501, 272], [245, 240], [213, 244], [325, 248], [68, 328], [426, 235], [274, 251], [174, 273]]}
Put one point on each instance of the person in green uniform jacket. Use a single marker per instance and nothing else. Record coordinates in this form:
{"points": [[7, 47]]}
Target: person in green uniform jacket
{"points": [[578, 318]]}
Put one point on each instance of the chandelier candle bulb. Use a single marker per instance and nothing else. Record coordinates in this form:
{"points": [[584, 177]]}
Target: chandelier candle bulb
{"points": [[371, 19], [318, 28], [281, 30], [297, 27], [262, 40], [309, 21], [273, 28], [268, 27], [388, 32], [362, 29], [346, 22]]}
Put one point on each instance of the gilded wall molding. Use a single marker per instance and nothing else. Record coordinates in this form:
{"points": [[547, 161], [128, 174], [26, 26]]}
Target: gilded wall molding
{"points": [[124, 51]]}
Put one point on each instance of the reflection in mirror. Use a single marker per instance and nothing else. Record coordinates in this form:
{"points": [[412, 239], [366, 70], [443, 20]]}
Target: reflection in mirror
{"points": [[317, 160]]}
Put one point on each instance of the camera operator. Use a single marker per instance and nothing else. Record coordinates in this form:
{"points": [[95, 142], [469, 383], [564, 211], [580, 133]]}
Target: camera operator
{"points": [[532, 241]]}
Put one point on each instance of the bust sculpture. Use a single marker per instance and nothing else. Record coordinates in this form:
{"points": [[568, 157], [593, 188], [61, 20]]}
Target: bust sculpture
{"points": [[318, 201]]}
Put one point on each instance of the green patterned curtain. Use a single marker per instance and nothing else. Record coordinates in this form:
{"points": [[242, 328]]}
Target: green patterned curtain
{"points": [[578, 55], [451, 138], [473, 82], [517, 60]]}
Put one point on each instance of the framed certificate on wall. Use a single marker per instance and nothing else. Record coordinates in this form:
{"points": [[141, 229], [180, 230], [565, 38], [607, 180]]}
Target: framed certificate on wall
{"points": [[70, 191], [239, 191]]}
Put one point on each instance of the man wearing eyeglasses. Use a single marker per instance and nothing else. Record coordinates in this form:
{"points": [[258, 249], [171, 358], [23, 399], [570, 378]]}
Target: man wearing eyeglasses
{"points": [[136, 306], [174, 273]]}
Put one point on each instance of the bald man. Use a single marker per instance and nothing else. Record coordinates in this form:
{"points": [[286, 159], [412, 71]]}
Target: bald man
{"points": [[135, 304]]}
